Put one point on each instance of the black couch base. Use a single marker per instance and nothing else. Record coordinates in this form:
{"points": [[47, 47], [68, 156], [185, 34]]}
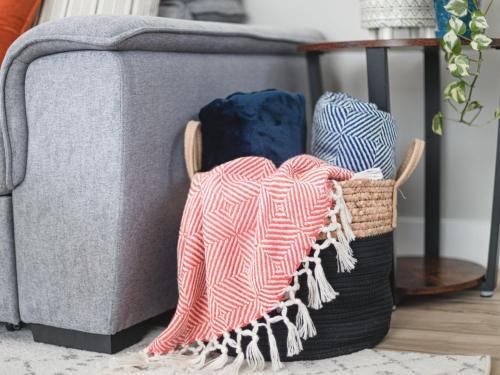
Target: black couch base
{"points": [[107, 344]]}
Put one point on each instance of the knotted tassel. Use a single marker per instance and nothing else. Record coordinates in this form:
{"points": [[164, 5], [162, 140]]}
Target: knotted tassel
{"points": [[199, 360], [218, 362], [293, 342], [234, 367], [303, 321], [345, 259], [325, 289], [314, 298], [345, 215], [273, 348], [255, 359], [346, 220]]}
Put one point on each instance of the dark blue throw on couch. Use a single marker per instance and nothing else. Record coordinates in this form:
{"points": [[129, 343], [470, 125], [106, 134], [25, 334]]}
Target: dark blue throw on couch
{"points": [[267, 123]]}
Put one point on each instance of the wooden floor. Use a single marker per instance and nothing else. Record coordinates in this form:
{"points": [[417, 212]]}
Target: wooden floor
{"points": [[461, 323]]}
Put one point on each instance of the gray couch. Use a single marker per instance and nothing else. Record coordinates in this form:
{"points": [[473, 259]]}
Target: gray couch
{"points": [[9, 307], [91, 117]]}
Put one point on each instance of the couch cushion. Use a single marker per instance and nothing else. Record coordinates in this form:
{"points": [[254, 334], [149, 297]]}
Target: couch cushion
{"points": [[118, 33], [15, 18]]}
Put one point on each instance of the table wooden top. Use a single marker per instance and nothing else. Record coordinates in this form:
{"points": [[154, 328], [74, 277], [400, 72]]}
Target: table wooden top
{"points": [[389, 43]]}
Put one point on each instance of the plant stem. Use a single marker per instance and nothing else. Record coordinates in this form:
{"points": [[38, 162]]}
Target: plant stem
{"points": [[472, 85], [489, 6], [468, 123], [476, 115]]}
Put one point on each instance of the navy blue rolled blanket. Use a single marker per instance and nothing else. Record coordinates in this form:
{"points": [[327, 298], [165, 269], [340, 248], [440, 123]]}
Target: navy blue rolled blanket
{"points": [[269, 123]]}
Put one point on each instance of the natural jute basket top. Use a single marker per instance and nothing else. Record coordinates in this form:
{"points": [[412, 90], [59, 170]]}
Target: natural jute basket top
{"points": [[372, 203]]}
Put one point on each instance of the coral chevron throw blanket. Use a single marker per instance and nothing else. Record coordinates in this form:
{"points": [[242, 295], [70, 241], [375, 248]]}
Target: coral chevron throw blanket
{"points": [[247, 229]]}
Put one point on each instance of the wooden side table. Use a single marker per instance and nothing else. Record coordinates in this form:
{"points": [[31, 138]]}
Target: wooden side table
{"points": [[430, 274]]}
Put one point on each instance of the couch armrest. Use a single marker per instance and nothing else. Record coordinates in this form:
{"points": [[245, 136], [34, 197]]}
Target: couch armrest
{"points": [[117, 33]]}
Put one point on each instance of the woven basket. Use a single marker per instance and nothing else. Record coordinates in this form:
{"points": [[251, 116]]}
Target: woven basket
{"points": [[360, 317], [373, 204]]}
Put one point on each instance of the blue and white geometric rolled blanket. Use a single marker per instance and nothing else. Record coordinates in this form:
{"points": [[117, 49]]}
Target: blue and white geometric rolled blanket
{"points": [[353, 134]]}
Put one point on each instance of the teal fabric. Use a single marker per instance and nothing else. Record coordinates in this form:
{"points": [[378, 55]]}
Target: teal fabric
{"points": [[269, 123]]}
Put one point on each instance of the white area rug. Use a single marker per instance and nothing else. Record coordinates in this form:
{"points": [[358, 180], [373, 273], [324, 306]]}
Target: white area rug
{"points": [[19, 355]]}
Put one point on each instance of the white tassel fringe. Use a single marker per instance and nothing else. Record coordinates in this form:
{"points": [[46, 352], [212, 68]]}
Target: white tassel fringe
{"points": [[255, 359], [273, 349], [217, 363], [326, 290], [293, 341], [303, 321], [339, 234], [314, 298]]}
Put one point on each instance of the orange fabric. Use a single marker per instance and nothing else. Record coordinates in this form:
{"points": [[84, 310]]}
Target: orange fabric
{"points": [[16, 16]]}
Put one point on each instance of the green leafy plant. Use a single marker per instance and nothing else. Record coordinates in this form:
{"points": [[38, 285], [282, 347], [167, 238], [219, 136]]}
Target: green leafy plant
{"points": [[464, 65]]}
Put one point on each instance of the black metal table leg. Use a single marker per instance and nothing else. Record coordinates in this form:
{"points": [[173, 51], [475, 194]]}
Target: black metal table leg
{"points": [[378, 78], [379, 93], [315, 79], [315, 86], [491, 280], [432, 153]]}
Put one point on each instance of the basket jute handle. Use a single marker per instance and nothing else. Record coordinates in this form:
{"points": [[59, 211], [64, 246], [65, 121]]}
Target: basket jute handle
{"points": [[406, 169], [193, 147]]}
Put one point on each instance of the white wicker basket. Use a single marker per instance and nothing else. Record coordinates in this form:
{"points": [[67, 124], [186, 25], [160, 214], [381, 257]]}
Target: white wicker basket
{"points": [[412, 14]]}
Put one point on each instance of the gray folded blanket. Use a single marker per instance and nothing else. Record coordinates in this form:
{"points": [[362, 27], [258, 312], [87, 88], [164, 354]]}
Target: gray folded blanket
{"points": [[206, 10]]}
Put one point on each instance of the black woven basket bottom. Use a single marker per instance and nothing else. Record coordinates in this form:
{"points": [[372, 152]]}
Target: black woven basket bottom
{"points": [[360, 316]]}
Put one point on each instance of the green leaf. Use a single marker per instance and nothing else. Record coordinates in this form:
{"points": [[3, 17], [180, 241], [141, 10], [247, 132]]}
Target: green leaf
{"points": [[457, 25], [477, 13], [458, 8], [473, 106], [457, 92], [478, 23], [452, 43], [497, 114], [480, 42], [459, 66], [447, 90], [437, 123]]}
